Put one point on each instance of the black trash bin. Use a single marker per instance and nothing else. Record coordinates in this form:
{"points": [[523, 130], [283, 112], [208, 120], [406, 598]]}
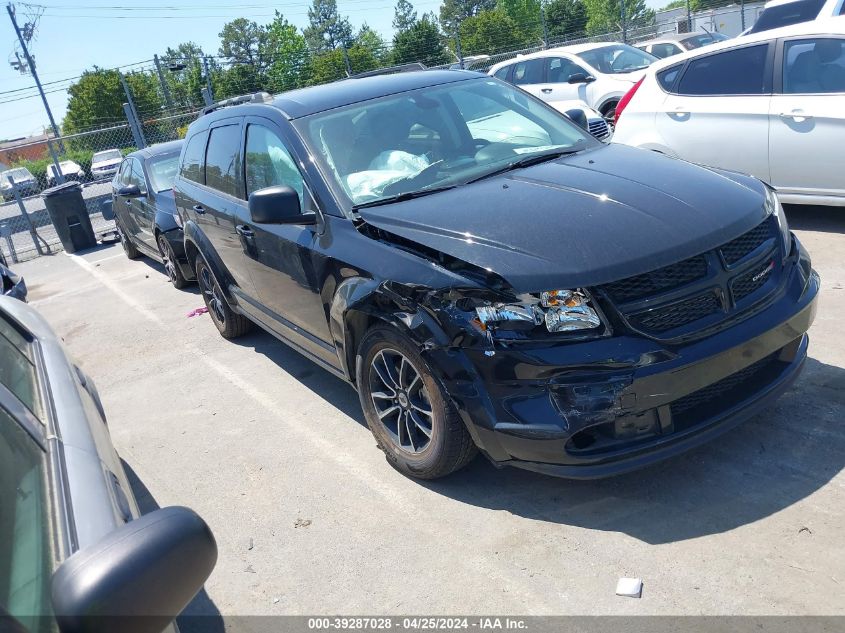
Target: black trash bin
{"points": [[69, 215]]}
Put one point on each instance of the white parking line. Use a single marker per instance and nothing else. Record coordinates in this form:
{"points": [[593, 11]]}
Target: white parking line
{"points": [[104, 259]]}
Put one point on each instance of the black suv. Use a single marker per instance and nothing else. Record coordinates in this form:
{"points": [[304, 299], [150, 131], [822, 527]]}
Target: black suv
{"points": [[488, 275]]}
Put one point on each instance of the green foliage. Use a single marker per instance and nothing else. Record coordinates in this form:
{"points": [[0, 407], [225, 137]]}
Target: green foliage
{"points": [[492, 32], [289, 52], [368, 39], [420, 43], [454, 12], [604, 16], [327, 29], [565, 18], [331, 65], [245, 42], [525, 14], [404, 16]]}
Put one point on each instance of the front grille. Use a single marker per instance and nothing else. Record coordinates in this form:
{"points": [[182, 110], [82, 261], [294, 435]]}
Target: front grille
{"points": [[678, 314], [736, 249], [678, 295], [753, 280], [659, 280], [726, 389], [598, 128]]}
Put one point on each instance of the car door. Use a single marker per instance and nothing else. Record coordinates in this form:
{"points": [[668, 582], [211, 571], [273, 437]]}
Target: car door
{"points": [[807, 117], [556, 86], [717, 112], [282, 257], [141, 208], [528, 75], [219, 206], [119, 203]]}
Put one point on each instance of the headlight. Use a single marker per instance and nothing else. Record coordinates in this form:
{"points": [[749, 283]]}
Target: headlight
{"points": [[560, 310], [774, 207]]}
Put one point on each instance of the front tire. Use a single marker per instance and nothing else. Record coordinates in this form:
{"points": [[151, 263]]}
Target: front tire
{"points": [[171, 266], [128, 247], [227, 321], [608, 111], [407, 410]]}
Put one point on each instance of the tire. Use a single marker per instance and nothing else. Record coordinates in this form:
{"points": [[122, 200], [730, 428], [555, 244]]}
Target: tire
{"points": [[128, 247], [227, 321], [608, 111], [171, 267], [425, 438]]}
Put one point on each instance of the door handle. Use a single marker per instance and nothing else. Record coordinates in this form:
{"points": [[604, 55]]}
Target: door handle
{"points": [[545, 90], [199, 209], [244, 231], [679, 110], [798, 116]]}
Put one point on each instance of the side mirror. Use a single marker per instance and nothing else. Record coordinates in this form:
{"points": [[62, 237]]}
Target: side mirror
{"points": [[107, 209], [151, 567], [278, 205], [580, 78], [129, 191], [577, 116]]}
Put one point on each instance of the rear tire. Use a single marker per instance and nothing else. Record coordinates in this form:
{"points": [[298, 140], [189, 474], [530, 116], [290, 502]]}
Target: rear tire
{"points": [[171, 266], [229, 323], [408, 412], [128, 247]]}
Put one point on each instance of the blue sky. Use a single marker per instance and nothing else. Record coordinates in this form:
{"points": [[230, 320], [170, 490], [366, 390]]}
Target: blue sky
{"points": [[74, 35]]}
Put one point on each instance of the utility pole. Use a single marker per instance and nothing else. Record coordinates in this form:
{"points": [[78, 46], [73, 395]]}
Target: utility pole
{"points": [[31, 66], [165, 89], [131, 104], [208, 80]]}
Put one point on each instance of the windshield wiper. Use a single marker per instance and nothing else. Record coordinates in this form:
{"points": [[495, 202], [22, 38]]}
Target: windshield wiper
{"points": [[527, 161], [399, 197]]}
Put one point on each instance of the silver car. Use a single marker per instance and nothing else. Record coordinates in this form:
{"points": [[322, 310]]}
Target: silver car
{"points": [[74, 553]]}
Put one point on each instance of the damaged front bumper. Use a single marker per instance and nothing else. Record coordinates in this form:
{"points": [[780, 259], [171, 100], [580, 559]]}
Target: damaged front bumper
{"points": [[604, 407]]}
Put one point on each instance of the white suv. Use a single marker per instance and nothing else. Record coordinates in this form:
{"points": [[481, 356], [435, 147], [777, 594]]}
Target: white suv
{"points": [[770, 104], [596, 73], [780, 13]]}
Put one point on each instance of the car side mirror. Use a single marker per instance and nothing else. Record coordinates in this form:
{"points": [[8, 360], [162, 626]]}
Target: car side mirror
{"points": [[580, 78], [150, 567], [107, 210], [577, 116], [278, 205], [129, 191]]}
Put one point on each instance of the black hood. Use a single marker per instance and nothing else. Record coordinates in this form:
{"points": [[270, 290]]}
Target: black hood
{"points": [[582, 220]]}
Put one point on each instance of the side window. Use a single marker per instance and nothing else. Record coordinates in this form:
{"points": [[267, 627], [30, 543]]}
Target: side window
{"points": [[735, 72], [786, 14], [123, 174], [222, 159], [528, 72], [814, 66], [17, 369], [192, 162], [269, 163], [136, 175], [666, 78], [502, 73], [667, 49], [560, 70]]}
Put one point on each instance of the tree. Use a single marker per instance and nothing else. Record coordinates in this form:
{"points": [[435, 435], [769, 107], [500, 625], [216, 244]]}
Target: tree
{"points": [[326, 29], [182, 68], [565, 19], [244, 41], [605, 16], [368, 39], [420, 43], [453, 12], [289, 54], [491, 32], [331, 65], [404, 16], [526, 15]]}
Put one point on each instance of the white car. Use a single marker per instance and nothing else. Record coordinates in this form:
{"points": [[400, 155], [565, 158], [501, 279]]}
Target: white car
{"points": [[780, 13], [106, 163], [598, 74], [70, 171], [770, 104], [670, 44]]}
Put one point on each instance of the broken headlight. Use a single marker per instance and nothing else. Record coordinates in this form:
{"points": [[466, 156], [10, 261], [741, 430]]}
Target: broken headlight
{"points": [[775, 208], [559, 310]]}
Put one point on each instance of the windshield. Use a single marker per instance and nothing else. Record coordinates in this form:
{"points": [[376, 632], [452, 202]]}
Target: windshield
{"points": [[162, 171], [432, 138], [697, 41], [616, 59], [18, 174], [109, 154]]}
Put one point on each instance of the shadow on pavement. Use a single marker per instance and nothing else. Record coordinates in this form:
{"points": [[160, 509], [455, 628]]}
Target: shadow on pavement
{"points": [[769, 463], [201, 615], [815, 218]]}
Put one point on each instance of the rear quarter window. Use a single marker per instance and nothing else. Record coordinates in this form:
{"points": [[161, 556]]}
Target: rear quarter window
{"points": [[192, 167], [667, 78]]}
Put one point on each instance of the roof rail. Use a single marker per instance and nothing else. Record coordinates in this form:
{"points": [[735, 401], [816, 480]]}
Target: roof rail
{"points": [[256, 97], [391, 70]]}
